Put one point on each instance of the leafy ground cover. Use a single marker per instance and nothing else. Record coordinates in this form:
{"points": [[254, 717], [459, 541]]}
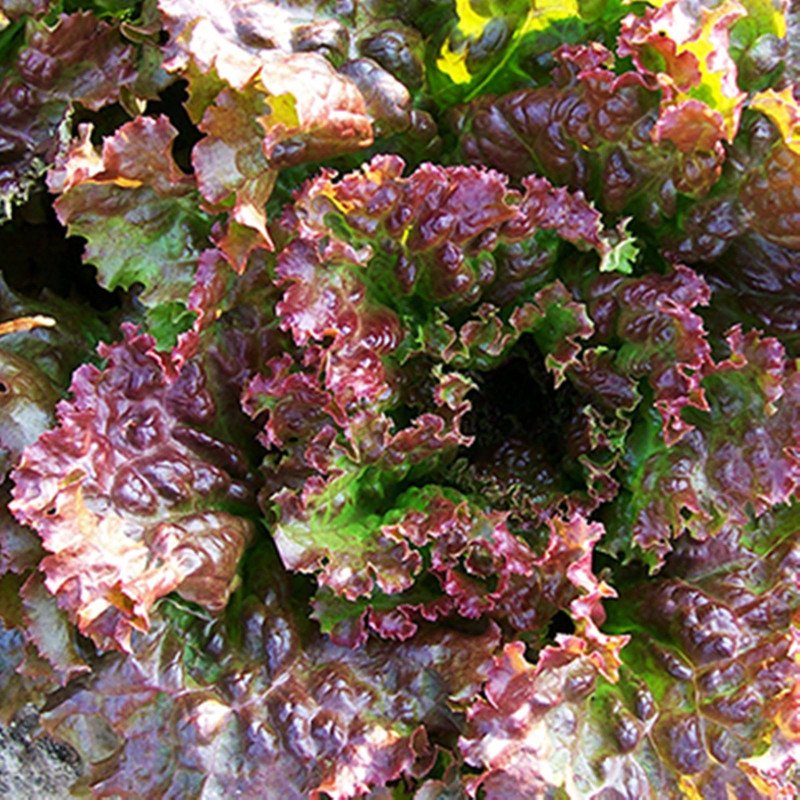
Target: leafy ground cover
{"points": [[401, 399]]}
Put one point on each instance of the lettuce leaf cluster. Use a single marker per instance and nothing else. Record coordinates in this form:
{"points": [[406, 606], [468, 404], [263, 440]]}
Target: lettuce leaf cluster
{"points": [[424, 421]]}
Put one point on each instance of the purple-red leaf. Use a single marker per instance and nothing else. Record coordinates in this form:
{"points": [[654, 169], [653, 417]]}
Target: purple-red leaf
{"points": [[739, 458], [128, 493], [80, 59], [271, 711], [705, 704]]}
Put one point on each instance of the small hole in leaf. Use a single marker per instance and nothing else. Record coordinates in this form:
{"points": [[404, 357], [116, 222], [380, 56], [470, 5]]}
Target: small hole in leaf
{"points": [[33, 240], [51, 512], [560, 623], [171, 103], [3, 388]]}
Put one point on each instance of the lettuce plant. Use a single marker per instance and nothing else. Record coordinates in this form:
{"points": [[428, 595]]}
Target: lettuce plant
{"points": [[423, 419]]}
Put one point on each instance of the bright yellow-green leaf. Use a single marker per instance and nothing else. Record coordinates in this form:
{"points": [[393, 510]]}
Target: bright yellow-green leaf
{"points": [[454, 64], [470, 22], [283, 110], [783, 110], [689, 788], [769, 14], [718, 87], [471, 25], [544, 12], [452, 61]]}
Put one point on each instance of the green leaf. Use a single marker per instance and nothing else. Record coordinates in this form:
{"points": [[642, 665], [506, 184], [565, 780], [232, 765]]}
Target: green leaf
{"points": [[166, 321], [140, 215]]}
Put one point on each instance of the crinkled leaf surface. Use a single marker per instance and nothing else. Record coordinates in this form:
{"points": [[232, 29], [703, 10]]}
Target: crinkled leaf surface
{"points": [[705, 696], [592, 127], [376, 268], [492, 47], [258, 706], [740, 457], [743, 238], [35, 366], [273, 67], [138, 492], [80, 59], [687, 51], [138, 212], [523, 523], [660, 336]]}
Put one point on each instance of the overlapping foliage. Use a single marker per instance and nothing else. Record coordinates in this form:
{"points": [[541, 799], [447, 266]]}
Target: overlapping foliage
{"points": [[430, 426]]}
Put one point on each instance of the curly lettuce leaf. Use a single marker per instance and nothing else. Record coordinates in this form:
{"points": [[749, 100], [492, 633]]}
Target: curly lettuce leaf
{"points": [[593, 129], [133, 495], [436, 554], [283, 84], [768, 199], [256, 705], [79, 60], [334, 525], [132, 199], [41, 342], [139, 214], [279, 120], [653, 331], [461, 546], [482, 409], [742, 238], [739, 458], [375, 268], [700, 707], [452, 228], [633, 340], [230, 40], [687, 53]]}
